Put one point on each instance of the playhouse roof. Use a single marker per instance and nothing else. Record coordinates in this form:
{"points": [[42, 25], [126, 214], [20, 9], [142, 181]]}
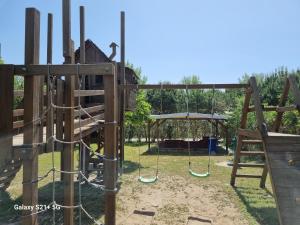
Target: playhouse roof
{"points": [[184, 115]]}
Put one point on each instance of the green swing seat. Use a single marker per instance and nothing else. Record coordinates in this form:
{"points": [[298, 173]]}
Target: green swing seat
{"points": [[198, 174], [148, 180]]}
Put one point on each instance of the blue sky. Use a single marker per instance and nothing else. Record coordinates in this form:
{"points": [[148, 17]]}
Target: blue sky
{"points": [[218, 40]]}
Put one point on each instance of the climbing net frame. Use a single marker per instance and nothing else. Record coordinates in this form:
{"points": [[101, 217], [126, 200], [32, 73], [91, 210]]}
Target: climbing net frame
{"points": [[110, 124]]}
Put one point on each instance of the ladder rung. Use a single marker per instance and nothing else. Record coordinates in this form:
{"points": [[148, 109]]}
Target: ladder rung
{"points": [[251, 165], [251, 141], [252, 153], [249, 133], [248, 176]]}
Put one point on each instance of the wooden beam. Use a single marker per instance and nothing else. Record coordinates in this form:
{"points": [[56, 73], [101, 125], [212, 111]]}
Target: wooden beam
{"points": [[64, 70], [50, 113], [84, 93], [90, 110], [88, 120], [184, 86], [122, 91], [31, 112], [68, 153], [82, 35], [110, 148], [6, 115]]}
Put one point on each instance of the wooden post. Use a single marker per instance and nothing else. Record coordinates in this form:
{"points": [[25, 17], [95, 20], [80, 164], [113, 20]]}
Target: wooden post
{"points": [[110, 148], [32, 103], [258, 108], [282, 102], [6, 115], [59, 122], [68, 153], [149, 130], [122, 95], [49, 123], [82, 46]]}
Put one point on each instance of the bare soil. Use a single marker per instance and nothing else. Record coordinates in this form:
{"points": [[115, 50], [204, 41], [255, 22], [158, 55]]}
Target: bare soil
{"points": [[174, 200]]}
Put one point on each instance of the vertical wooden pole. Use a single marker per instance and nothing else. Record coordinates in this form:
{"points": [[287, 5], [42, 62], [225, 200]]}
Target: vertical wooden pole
{"points": [[82, 35], [110, 148], [149, 132], [6, 115], [59, 121], [68, 153], [50, 123], [122, 96], [258, 107], [31, 112], [282, 102], [82, 43]]}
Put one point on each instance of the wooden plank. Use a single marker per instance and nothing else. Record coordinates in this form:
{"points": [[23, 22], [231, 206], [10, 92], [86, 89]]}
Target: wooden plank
{"points": [[6, 115], [255, 142], [183, 86], [249, 133], [254, 165], [264, 108], [31, 112], [65, 70], [50, 113], [84, 93], [90, 110], [110, 148], [286, 108], [18, 112], [88, 120], [248, 176], [18, 124], [252, 153], [68, 153]]}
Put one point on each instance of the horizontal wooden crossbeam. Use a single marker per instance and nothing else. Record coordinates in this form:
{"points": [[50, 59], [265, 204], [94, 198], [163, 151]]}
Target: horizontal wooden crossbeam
{"points": [[64, 70], [184, 86]]}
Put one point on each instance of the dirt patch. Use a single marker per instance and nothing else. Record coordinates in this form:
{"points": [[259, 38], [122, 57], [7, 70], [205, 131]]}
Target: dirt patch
{"points": [[175, 201]]}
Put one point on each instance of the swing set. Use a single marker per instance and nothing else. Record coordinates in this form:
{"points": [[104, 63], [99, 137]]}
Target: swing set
{"points": [[186, 116]]}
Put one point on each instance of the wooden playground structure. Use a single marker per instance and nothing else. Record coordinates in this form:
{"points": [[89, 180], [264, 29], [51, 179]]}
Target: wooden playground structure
{"points": [[55, 119]]}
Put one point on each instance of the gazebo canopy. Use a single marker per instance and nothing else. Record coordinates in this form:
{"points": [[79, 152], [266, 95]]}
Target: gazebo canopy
{"points": [[184, 115]]}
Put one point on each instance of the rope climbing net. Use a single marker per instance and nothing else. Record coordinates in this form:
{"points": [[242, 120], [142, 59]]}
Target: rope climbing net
{"points": [[82, 178]]}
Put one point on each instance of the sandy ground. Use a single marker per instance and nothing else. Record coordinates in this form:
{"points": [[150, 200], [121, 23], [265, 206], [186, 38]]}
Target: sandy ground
{"points": [[175, 201]]}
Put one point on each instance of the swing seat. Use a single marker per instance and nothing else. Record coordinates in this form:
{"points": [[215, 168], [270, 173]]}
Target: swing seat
{"points": [[148, 180], [199, 174]]}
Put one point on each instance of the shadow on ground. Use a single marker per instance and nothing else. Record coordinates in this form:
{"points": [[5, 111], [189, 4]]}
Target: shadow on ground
{"points": [[91, 198], [184, 152], [251, 197]]}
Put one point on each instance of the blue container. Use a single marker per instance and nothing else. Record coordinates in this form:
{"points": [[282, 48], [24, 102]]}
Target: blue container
{"points": [[212, 145]]}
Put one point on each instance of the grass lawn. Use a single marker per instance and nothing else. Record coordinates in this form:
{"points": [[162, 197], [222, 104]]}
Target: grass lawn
{"points": [[257, 205]]}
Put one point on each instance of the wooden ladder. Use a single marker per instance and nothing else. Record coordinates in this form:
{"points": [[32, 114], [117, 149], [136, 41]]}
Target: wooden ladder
{"points": [[253, 137]]}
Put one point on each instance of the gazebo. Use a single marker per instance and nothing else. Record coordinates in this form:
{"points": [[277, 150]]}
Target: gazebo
{"points": [[217, 121]]}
